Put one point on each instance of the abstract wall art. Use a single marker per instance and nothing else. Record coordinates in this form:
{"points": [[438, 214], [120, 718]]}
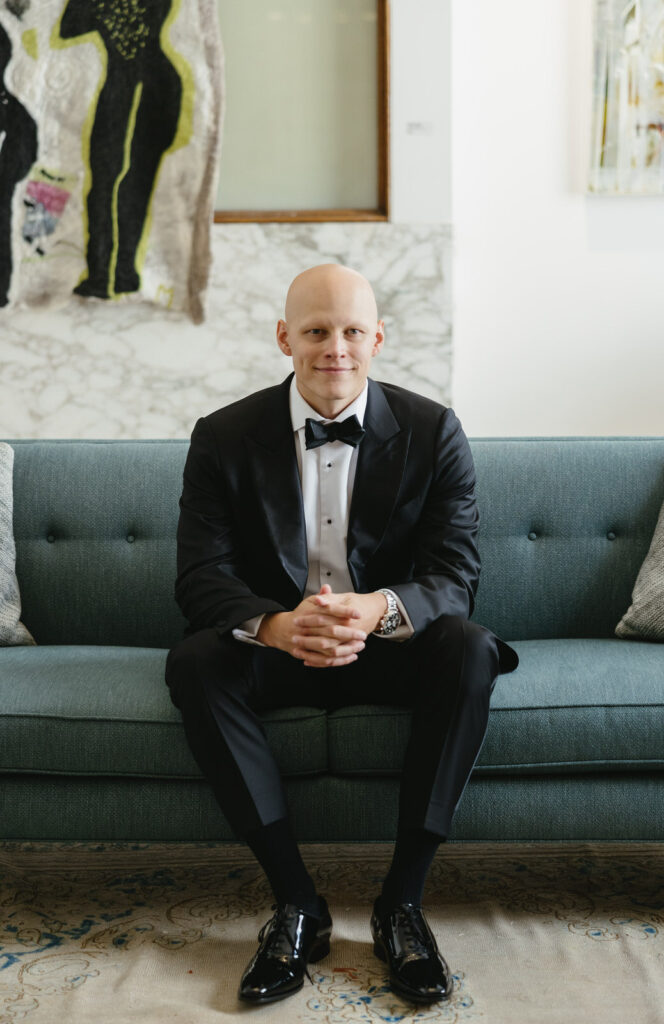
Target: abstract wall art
{"points": [[628, 98], [18, 152], [109, 145]]}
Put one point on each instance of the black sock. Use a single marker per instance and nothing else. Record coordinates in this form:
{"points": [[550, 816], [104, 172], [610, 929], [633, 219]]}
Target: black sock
{"points": [[276, 850], [414, 851]]}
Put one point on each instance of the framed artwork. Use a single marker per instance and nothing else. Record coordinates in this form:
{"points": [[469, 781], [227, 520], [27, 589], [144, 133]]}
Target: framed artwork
{"points": [[306, 115], [110, 115], [628, 98]]}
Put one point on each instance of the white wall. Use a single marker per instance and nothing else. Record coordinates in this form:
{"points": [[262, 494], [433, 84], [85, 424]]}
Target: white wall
{"points": [[558, 297], [420, 111]]}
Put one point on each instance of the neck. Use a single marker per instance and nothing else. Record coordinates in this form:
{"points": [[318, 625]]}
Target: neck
{"points": [[331, 408]]}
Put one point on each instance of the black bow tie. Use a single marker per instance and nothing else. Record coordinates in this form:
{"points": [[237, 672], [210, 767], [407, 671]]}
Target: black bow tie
{"points": [[349, 431]]}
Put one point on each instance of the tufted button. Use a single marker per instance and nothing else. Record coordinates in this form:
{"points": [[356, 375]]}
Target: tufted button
{"points": [[50, 538], [532, 535], [611, 535], [130, 538]]}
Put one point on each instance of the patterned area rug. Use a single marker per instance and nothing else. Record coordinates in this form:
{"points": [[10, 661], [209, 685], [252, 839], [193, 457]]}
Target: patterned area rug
{"points": [[161, 933]]}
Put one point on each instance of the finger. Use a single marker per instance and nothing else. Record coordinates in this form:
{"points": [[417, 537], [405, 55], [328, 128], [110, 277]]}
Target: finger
{"points": [[326, 645], [325, 625], [314, 643], [340, 634], [330, 663], [323, 592], [332, 607], [327, 653], [321, 618]]}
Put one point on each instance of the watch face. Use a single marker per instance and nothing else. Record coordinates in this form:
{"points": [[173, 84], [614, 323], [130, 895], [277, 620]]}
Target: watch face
{"points": [[390, 623], [391, 620]]}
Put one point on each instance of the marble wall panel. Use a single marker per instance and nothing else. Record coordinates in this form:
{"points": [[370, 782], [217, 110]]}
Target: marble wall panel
{"points": [[123, 370]]}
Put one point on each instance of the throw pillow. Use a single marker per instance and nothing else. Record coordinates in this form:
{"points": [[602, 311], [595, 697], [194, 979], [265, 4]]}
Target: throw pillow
{"points": [[12, 630], [644, 619]]}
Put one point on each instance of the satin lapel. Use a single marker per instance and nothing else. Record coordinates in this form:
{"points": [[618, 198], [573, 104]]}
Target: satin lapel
{"points": [[271, 448], [380, 466]]}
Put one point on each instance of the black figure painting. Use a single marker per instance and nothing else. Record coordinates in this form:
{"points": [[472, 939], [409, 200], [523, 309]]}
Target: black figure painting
{"points": [[135, 122], [18, 152]]}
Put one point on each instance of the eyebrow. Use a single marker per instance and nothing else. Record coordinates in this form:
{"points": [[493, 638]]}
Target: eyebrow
{"points": [[356, 325]]}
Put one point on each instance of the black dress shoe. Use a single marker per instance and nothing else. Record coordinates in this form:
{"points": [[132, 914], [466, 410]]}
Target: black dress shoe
{"points": [[404, 940], [289, 941]]}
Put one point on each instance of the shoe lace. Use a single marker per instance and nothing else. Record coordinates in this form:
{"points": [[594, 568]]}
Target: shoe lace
{"points": [[414, 930], [277, 928]]}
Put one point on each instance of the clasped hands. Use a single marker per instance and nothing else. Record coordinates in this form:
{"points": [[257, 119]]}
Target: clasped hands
{"points": [[325, 630]]}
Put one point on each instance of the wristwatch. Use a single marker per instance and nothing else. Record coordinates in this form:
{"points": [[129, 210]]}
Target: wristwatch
{"points": [[391, 620]]}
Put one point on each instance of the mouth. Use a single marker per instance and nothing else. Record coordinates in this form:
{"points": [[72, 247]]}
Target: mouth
{"points": [[333, 369]]}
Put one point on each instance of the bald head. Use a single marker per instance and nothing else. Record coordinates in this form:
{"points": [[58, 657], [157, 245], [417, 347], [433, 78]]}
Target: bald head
{"points": [[331, 282], [332, 332]]}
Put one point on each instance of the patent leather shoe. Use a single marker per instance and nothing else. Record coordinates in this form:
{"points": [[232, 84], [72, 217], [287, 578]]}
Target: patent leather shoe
{"points": [[404, 940], [290, 940]]}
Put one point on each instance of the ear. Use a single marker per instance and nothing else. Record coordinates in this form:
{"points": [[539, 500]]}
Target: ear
{"points": [[380, 338], [282, 338]]}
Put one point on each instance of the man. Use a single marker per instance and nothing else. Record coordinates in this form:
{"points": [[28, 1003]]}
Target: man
{"points": [[327, 556]]}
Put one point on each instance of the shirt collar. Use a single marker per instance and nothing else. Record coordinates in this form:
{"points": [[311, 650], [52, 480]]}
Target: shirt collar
{"points": [[301, 410]]}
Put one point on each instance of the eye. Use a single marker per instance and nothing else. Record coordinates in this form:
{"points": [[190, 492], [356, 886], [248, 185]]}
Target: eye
{"points": [[354, 330], [315, 330]]}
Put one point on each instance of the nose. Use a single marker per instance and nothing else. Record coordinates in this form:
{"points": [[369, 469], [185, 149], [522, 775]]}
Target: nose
{"points": [[336, 345]]}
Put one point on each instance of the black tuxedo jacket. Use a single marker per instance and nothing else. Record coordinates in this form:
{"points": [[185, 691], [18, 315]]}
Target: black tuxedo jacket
{"points": [[413, 517]]}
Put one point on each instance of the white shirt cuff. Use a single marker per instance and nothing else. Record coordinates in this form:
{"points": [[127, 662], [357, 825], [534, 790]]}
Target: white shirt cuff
{"points": [[246, 632]]}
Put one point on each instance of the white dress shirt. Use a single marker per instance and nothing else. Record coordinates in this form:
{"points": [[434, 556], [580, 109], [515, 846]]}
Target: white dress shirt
{"points": [[327, 475]]}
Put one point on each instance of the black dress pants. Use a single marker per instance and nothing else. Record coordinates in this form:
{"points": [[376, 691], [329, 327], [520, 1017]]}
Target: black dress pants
{"points": [[446, 675]]}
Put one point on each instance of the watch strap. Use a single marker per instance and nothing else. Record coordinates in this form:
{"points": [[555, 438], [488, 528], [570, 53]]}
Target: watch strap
{"points": [[391, 620]]}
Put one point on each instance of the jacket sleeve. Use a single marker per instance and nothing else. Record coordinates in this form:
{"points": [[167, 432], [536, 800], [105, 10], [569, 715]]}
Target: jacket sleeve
{"points": [[446, 563], [209, 588]]}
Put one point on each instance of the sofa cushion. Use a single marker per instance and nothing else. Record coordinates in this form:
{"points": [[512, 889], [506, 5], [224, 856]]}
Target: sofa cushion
{"points": [[574, 705], [565, 524], [95, 525], [107, 711], [571, 705], [645, 616], [12, 630]]}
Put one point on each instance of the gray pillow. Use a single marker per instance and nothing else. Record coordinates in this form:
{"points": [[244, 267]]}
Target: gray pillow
{"points": [[12, 630], [644, 619]]}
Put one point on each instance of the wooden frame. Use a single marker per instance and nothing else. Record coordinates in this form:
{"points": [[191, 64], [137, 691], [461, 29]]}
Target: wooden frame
{"points": [[382, 212]]}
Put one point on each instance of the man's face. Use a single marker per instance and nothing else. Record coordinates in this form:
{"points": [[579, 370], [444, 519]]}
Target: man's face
{"points": [[332, 333]]}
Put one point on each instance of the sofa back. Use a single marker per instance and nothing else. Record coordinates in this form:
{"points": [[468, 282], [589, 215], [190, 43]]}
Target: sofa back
{"points": [[565, 525]]}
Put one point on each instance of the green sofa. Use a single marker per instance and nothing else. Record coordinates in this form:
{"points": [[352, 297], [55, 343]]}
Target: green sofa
{"points": [[92, 748]]}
